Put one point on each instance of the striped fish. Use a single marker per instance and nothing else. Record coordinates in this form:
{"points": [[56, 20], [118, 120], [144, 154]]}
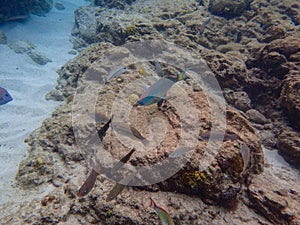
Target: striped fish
{"points": [[163, 214]]}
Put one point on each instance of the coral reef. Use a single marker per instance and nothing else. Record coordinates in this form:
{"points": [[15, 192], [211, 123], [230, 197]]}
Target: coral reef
{"points": [[252, 49]]}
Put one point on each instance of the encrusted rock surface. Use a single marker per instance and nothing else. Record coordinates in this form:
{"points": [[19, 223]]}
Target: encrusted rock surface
{"points": [[227, 8], [255, 58], [289, 146], [19, 10], [119, 4], [27, 47]]}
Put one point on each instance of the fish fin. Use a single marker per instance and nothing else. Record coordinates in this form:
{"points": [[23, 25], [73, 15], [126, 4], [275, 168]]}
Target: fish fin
{"points": [[152, 203], [145, 142]]}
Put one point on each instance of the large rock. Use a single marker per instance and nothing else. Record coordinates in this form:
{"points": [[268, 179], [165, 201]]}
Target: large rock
{"points": [[19, 10], [41, 7], [290, 97], [289, 146], [14, 10], [238, 99], [228, 8], [55, 160], [29, 48], [230, 70], [276, 197], [119, 4], [274, 56]]}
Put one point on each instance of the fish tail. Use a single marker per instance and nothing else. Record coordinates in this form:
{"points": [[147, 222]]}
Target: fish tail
{"points": [[152, 203], [145, 142]]}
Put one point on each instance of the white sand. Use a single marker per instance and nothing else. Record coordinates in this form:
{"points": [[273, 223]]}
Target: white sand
{"points": [[28, 83]]}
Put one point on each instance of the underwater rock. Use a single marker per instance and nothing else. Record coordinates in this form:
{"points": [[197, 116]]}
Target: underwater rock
{"points": [[275, 55], [276, 196], [119, 4], [41, 7], [55, 95], [3, 38], [38, 57], [228, 8], [11, 10], [256, 117], [238, 99], [21, 46], [85, 25], [289, 146], [290, 97], [59, 6], [93, 24], [70, 73], [230, 71]]}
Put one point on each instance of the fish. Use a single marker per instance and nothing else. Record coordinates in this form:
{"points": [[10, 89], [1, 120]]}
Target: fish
{"points": [[118, 188], [179, 77], [128, 131], [88, 184], [162, 213], [5, 97], [245, 152], [158, 69], [156, 92], [218, 135], [203, 26], [102, 131], [124, 160], [100, 118], [115, 73], [149, 100], [180, 151]]}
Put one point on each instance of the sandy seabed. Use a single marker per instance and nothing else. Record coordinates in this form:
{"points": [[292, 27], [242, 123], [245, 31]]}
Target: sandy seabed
{"points": [[28, 83]]}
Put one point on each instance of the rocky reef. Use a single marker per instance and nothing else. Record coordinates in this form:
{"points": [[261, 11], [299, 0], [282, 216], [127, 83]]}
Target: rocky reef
{"points": [[256, 64], [19, 10]]}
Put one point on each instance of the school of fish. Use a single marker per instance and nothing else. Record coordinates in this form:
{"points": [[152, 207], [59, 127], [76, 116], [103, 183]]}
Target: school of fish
{"points": [[156, 93]]}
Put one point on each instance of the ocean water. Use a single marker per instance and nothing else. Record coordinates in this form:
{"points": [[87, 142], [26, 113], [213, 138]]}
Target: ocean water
{"points": [[29, 82]]}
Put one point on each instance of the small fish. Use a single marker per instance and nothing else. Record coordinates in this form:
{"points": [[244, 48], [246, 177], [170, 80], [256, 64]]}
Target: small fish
{"points": [[125, 159], [245, 152], [5, 97], [88, 184], [116, 72], [203, 26], [102, 131], [218, 135], [100, 118], [118, 188], [128, 131], [158, 69], [180, 151], [163, 214], [156, 92], [149, 100], [181, 76]]}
